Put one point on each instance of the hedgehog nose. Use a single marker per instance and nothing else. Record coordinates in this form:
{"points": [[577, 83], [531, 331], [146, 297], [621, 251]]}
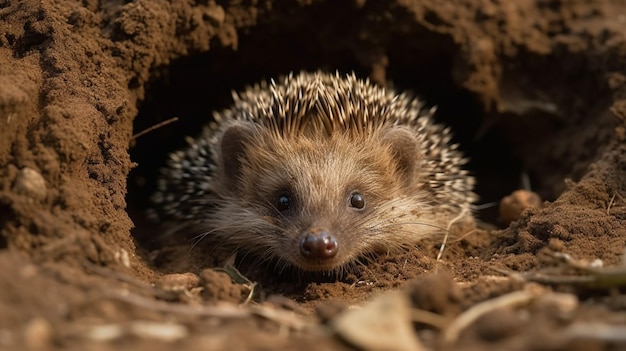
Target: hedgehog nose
{"points": [[319, 245]]}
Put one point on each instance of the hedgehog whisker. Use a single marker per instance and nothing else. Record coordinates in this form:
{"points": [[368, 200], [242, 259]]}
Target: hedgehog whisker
{"points": [[282, 215], [390, 225], [231, 229], [199, 237]]}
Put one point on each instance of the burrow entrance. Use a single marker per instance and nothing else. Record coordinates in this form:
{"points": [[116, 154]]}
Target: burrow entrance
{"points": [[535, 131]]}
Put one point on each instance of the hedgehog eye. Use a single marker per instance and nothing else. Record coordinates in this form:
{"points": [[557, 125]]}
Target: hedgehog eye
{"points": [[283, 202], [357, 200]]}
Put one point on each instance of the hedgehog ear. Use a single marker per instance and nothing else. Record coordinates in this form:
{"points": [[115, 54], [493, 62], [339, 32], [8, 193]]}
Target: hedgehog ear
{"points": [[233, 148], [404, 146]]}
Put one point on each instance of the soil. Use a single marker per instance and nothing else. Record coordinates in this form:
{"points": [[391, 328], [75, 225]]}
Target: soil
{"points": [[536, 94]]}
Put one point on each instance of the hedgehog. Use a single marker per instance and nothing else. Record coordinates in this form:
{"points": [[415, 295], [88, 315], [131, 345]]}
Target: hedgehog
{"points": [[317, 171]]}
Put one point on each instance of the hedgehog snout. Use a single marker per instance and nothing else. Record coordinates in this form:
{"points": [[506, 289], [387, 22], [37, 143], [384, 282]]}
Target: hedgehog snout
{"points": [[319, 244]]}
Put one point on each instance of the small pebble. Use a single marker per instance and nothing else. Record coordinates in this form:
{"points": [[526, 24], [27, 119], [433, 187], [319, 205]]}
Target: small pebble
{"points": [[512, 206], [178, 281], [38, 334], [30, 183], [123, 257]]}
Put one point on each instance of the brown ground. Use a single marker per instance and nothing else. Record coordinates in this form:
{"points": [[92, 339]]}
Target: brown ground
{"points": [[534, 88]]}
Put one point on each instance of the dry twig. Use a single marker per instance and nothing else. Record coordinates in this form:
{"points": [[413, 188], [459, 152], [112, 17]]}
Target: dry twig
{"points": [[452, 332], [154, 127]]}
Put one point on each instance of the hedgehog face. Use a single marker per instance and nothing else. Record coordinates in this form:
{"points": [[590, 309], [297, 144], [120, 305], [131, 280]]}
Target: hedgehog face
{"points": [[329, 200]]}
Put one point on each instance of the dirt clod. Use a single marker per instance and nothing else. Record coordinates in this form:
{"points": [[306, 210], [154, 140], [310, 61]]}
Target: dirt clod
{"points": [[499, 324], [218, 286]]}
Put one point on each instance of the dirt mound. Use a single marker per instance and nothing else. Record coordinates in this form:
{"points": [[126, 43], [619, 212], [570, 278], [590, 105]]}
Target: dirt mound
{"points": [[535, 92]]}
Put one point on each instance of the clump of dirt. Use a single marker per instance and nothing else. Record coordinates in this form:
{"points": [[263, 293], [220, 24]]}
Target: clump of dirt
{"points": [[535, 92]]}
